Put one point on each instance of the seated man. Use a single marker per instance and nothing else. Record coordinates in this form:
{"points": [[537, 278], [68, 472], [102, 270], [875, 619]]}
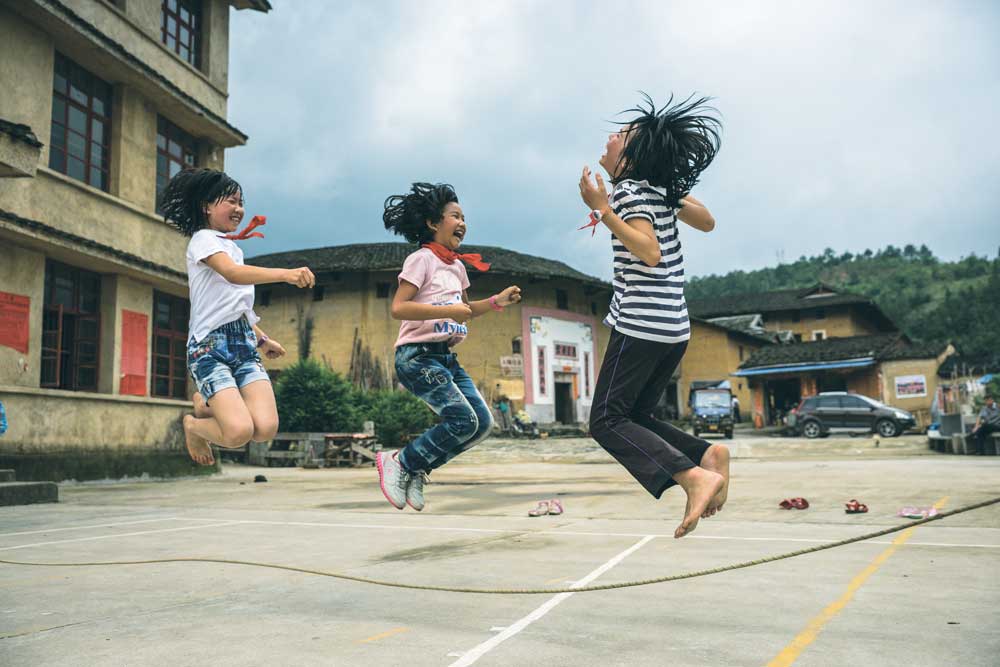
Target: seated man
{"points": [[987, 424]]}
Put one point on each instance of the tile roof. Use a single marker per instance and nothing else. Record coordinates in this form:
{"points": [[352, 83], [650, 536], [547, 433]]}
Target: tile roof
{"points": [[765, 302], [390, 256], [881, 347]]}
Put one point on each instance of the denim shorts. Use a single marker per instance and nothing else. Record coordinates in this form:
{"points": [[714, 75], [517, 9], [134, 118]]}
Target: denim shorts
{"points": [[226, 357]]}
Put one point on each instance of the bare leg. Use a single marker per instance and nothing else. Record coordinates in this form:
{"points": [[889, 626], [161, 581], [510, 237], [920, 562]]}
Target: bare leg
{"points": [[716, 459], [231, 426], [201, 407], [259, 399], [700, 485]]}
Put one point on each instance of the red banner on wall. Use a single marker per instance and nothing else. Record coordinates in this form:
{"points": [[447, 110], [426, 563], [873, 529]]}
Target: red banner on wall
{"points": [[14, 314], [135, 342]]}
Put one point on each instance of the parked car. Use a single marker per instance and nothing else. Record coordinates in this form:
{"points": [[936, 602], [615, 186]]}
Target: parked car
{"points": [[838, 410], [712, 412]]}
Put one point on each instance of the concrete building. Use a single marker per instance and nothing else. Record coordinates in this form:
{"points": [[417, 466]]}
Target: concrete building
{"points": [[543, 353], [103, 101]]}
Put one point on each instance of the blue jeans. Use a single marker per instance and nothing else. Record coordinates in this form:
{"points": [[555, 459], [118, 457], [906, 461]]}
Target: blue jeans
{"points": [[226, 357], [432, 373]]}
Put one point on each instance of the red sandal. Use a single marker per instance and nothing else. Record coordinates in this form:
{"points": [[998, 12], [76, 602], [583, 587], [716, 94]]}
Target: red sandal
{"points": [[854, 507], [794, 503]]}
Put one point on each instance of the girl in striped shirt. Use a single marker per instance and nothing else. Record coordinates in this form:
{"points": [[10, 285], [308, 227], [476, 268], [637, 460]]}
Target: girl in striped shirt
{"points": [[653, 162]]}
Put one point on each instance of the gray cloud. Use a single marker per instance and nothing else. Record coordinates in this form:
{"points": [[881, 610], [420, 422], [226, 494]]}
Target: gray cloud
{"points": [[847, 124]]}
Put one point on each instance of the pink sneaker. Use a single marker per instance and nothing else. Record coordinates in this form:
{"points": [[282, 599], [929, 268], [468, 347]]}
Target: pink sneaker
{"points": [[392, 478]]}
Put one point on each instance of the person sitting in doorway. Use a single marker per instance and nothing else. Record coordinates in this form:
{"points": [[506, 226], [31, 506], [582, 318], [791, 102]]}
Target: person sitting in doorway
{"points": [[987, 423]]}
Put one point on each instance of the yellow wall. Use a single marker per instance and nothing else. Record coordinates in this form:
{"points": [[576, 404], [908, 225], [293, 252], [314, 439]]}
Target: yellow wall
{"points": [[350, 303], [714, 354], [839, 322]]}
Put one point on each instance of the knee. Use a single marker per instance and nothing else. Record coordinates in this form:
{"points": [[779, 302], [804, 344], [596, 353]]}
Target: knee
{"points": [[264, 430], [237, 435], [464, 425], [485, 423]]}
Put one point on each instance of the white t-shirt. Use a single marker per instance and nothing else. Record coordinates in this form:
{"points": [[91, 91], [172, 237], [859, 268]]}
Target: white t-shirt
{"points": [[214, 300]]}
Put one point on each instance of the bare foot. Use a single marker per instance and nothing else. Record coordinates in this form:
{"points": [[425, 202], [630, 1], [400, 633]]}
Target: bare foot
{"points": [[197, 447], [701, 486], [716, 459], [201, 407]]}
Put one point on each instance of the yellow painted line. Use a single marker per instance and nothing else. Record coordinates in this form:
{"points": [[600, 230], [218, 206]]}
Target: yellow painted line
{"points": [[387, 633], [791, 652]]}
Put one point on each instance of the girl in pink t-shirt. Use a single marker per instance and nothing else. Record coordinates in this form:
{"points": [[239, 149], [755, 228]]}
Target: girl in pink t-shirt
{"points": [[434, 308]]}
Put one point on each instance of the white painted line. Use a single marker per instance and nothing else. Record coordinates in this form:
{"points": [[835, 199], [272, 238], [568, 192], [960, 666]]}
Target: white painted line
{"points": [[528, 533], [477, 652], [97, 525], [106, 537]]}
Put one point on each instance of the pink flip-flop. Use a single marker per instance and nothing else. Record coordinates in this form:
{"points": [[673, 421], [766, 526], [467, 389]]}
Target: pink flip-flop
{"points": [[555, 507], [541, 510]]}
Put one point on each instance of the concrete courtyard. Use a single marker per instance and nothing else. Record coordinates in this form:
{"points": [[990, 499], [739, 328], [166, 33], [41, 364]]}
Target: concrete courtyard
{"points": [[922, 597]]}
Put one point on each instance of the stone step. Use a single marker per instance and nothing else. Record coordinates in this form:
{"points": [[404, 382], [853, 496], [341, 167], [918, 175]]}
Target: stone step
{"points": [[7, 475], [25, 493]]}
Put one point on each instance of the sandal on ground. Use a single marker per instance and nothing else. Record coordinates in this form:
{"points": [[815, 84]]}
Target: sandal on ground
{"points": [[541, 510], [555, 507], [794, 503], [854, 507]]}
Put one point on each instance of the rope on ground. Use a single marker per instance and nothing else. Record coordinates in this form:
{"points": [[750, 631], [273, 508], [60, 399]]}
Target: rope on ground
{"points": [[533, 591]]}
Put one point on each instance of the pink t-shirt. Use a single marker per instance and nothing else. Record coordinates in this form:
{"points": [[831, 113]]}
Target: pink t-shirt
{"points": [[438, 284]]}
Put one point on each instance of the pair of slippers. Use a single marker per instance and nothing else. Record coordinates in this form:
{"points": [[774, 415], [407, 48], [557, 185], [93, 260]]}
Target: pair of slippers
{"points": [[917, 512], [794, 503], [546, 507]]}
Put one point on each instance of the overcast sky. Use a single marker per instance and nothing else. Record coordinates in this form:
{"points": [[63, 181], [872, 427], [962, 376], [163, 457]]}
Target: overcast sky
{"points": [[847, 124]]}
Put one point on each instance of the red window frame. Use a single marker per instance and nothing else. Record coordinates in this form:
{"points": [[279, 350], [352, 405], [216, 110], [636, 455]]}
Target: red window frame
{"points": [[80, 139], [565, 351], [180, 29], [71, 328], [170, 330], [176, 150], [542, 389]]}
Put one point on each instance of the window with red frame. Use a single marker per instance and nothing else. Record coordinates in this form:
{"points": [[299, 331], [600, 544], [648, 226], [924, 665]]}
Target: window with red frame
{"points": [[180, 29], [80, 141], [176, 150], [71, 328], [565, 350], [170, 328], [542, 390]]}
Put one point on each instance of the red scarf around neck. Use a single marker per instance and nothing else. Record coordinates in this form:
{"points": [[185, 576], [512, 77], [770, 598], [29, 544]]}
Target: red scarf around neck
{"points": [[473, 259], [248, 233]]}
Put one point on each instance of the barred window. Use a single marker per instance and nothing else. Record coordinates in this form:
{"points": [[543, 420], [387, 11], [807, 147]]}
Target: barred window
{"points": [[170, 328], [180, 29], [71, 328], [176, 150], [80, 142]]}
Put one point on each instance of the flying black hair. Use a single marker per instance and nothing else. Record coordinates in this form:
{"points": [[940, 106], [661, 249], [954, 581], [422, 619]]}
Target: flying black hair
{"points": [[407, 215], [184, 199], [670, 146]]}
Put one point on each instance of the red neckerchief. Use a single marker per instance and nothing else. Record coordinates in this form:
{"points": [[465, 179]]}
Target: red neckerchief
{"points": [[473, 259], [248, 233]]}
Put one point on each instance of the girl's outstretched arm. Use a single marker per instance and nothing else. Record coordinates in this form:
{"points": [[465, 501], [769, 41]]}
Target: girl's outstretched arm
{"points": [[696, 214], [404, 308], [509, 296], [241, 274]]}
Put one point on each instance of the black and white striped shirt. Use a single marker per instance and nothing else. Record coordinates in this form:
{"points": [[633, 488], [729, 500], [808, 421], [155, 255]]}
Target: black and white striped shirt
{"points": [[648, 302]]}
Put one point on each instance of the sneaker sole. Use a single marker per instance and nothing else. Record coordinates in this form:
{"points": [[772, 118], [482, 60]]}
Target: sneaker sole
{"points": [[419, 509], [381, 481]]}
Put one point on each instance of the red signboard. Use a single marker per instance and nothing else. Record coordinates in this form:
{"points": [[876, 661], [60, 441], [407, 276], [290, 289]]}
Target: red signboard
{"points": [[14, 312], [135, 342]]}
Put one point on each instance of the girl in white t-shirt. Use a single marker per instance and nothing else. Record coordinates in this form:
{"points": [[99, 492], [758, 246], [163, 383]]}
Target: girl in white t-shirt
{"points": [[433, 305], [234, 402]]}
